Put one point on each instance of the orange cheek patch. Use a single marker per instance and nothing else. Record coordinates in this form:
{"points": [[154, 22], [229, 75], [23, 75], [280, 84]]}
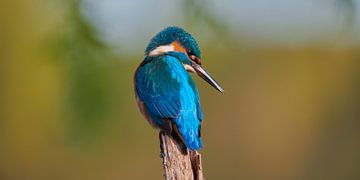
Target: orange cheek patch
{"points": [[178, 47]]}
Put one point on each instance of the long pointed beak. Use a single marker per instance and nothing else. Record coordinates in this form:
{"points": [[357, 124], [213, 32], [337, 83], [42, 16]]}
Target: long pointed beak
{"points": [[206, 76]]}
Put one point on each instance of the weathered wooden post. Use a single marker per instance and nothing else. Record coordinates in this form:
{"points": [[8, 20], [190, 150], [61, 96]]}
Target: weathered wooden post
{"points": [[179, 166]]}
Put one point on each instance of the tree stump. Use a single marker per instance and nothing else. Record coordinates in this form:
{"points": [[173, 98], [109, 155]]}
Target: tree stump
{"points": [[176, 164]]}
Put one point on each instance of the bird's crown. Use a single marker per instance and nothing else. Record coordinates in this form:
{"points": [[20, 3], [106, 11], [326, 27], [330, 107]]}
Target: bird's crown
{"points": [[172, 34]]}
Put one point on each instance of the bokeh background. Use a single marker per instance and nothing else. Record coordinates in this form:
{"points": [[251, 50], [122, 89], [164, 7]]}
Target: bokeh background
{"points": [[290, 70]]}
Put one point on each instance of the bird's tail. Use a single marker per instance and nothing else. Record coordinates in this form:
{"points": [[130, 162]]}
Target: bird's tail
{"points": [[192, 142], [175, 134], [170, 129]]}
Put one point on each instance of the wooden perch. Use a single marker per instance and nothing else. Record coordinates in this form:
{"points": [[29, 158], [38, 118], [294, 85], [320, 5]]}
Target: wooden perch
{"points": [[177, 165]]}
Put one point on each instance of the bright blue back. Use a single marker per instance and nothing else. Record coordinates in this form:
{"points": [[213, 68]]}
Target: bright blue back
{"points": [[169, 92]]}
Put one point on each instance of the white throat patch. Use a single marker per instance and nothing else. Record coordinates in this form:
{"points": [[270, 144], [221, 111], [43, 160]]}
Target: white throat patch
{"points": [[189, 68], [162, 50]]}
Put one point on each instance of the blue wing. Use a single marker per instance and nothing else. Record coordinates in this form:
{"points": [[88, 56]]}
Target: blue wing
{"points": [[168, 92], [157, 89]]}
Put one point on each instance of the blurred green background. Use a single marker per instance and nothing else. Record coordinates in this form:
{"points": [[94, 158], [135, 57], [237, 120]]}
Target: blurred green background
{"points": [[290, 70]]}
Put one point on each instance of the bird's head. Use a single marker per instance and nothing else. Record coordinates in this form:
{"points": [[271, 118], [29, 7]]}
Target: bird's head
{"points": [[177, 42]]}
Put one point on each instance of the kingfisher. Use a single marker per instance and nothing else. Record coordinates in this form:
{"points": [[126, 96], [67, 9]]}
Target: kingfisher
{"points": [[165, 92]]}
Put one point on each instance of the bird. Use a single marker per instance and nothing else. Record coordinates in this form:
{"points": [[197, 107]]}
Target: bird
{"points": [[166, 94]]}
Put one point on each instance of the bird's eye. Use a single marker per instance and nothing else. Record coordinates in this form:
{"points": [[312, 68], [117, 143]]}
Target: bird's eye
{"points": [[193, 57], [190, 52]]}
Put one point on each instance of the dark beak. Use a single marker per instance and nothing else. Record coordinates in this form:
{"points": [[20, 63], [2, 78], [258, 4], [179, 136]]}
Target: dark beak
{"points": [[206, 76]]}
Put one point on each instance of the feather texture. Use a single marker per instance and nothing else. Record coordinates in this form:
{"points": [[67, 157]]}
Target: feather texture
{"points": [[168, 92]]}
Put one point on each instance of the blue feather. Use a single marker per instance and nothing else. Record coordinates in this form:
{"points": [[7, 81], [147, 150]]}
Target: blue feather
{"points": [[169, 92]]}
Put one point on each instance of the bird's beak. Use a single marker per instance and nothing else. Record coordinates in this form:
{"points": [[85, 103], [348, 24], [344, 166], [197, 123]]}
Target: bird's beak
{"points": [[206, 76]]}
